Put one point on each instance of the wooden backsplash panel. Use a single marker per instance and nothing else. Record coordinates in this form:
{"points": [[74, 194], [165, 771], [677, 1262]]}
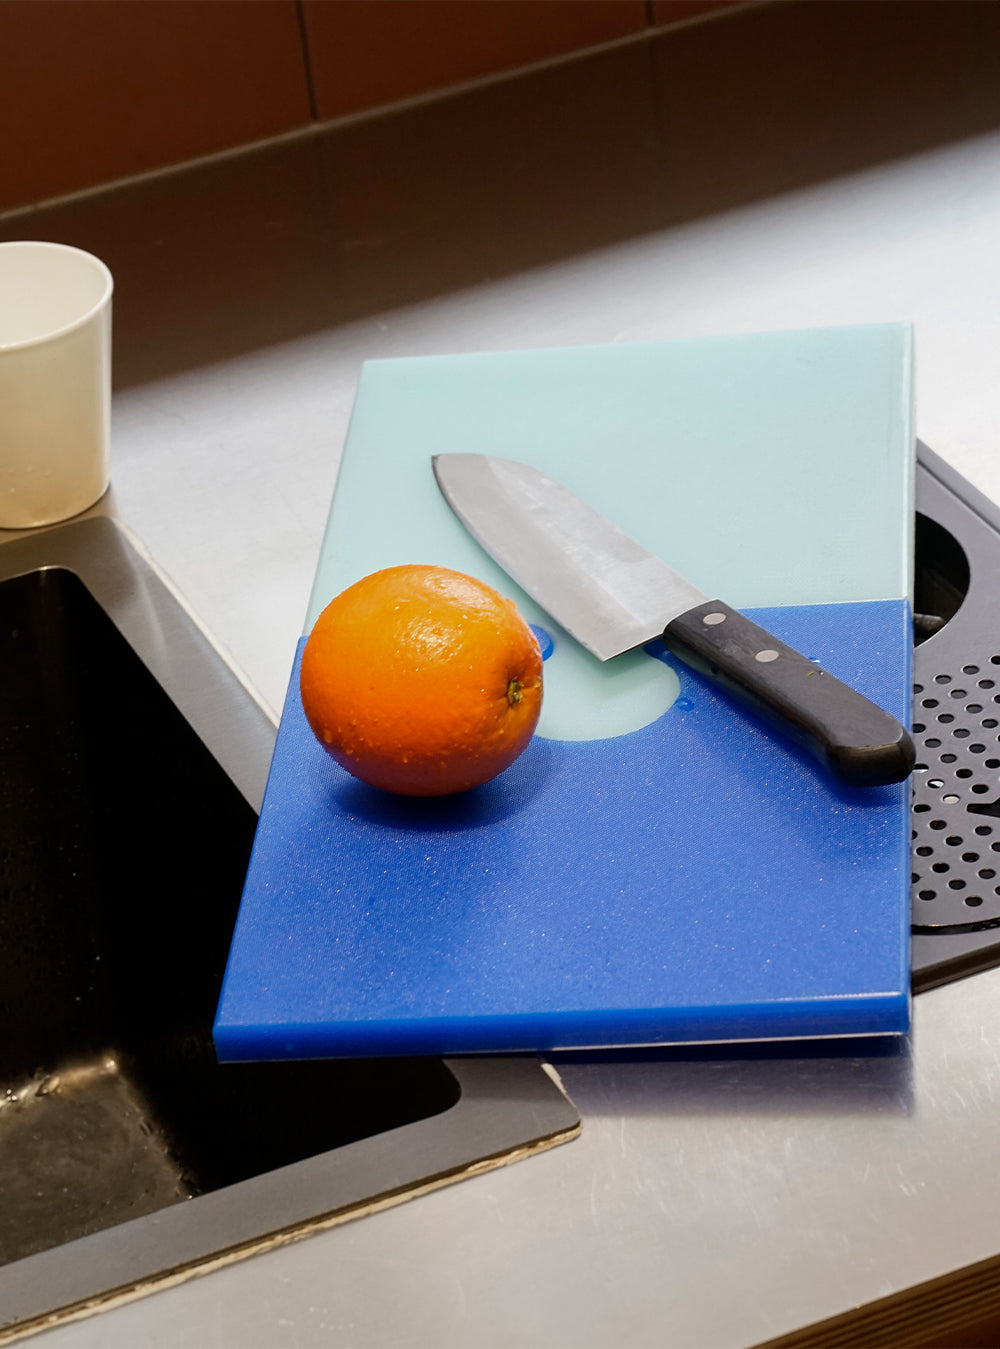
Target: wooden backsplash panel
{"points": [[665, 12], [94, 90], [833, 87], [364, 54]]}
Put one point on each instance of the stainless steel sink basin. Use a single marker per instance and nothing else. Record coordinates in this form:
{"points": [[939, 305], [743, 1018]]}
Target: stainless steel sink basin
{"points": [[132, 761]]}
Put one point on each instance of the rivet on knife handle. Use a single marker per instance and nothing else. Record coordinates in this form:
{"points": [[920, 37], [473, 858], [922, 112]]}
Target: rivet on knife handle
{"points": [[857, 741]]}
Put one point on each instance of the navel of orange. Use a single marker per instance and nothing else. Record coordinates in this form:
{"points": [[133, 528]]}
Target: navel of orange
{"points": [[422, 681]]}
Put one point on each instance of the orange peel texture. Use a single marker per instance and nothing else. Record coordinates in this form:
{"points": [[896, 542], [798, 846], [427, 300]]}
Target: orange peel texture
{"points": [[422, 681]]}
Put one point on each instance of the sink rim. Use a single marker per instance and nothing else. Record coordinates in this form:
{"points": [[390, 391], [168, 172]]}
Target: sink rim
{"points": [[109, 1268], [166, 637], [510, 1106]]}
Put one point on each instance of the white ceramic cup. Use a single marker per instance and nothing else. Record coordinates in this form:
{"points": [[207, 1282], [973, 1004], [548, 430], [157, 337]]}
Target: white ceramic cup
{"points": [[55, 382]]}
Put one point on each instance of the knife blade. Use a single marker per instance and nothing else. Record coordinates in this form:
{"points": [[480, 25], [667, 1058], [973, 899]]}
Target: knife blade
{"points": [[612, 595]]}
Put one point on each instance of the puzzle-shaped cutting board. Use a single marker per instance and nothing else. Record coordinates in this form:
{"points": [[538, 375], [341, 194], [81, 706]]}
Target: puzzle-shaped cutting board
{"points": [[657, 866]]}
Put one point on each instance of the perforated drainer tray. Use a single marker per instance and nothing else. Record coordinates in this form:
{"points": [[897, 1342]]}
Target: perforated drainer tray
{"points": [[956, 716]]}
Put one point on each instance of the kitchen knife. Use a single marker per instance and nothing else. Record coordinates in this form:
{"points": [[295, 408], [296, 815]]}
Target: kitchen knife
{"points": [[612, 595]]}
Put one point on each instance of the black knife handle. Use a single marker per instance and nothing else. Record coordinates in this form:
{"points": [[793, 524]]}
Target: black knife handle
{"points": [[857, 741]]}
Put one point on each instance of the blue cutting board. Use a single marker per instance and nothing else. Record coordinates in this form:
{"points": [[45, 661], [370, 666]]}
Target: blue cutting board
{"points": [[657, 867]]}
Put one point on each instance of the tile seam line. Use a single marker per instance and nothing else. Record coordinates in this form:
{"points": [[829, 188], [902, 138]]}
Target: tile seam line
{"points": [[318, 127], [307, 64]]}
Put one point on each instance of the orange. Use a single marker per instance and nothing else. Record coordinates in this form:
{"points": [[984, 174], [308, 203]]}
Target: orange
{"points": [[422, 681]]}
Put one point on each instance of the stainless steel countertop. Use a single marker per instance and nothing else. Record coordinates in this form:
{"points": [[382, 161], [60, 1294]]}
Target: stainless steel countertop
{"points": [[714, 1199]]}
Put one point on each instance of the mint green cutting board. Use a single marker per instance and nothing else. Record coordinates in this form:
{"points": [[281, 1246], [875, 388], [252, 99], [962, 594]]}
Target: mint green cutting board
{"points": [[769, 469]]}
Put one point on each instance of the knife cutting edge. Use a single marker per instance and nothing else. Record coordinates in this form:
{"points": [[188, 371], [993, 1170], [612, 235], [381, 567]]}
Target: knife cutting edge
{"points": [[612, 595]]}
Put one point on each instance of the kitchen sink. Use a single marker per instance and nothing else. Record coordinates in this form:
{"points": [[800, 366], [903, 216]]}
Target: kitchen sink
{"points": [[132, 764]]}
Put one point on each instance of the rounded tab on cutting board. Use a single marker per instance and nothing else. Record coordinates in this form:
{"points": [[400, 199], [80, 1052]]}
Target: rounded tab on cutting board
{"points": [[545, 644], [589, 699]]}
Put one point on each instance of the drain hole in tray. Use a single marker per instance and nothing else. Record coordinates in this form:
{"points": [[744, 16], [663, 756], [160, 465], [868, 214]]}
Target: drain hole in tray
{"points": [[941, 579]]}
